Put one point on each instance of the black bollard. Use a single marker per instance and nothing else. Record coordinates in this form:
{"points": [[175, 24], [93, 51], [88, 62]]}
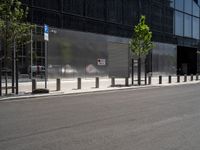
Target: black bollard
{"points": [[192, 77], [197, 77], [34, 84], [160, 79], [97, 82], [185, 78], [178, 78], [126, 81], [170, 79], [58, 84], [112, 81], [79, 83], [150, 80]]}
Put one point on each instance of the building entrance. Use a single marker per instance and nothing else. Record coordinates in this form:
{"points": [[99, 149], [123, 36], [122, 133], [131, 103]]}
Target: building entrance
{"points": [[186, 60]]}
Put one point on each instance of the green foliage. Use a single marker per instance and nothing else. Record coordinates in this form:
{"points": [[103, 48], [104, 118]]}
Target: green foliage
{"points": [[141, 43], [13, 23]]}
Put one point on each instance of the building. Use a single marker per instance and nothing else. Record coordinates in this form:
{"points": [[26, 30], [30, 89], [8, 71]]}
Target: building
{"points": [[89, 29]]}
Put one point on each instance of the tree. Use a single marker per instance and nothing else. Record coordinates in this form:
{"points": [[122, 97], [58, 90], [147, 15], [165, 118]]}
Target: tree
{"points": [[14, 29], [140, 43]]}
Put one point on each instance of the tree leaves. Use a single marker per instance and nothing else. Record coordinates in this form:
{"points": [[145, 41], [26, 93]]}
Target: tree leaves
{"points": [[140, 43], [13, 23]]}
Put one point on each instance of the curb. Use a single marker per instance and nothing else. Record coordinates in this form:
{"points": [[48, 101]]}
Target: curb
{"points": [[60, 93], [23, 97]]}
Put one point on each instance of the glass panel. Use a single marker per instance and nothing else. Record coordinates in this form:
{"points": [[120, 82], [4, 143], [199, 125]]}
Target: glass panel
{"points": [[188, 6], [178, 23], [195, 9], [179, 4], [114, 9], [94, 9], [195, 28], [172, 3], [50, 4], [73, 6], [164, 59], [68, 59], [130, 12], [187, 25]]}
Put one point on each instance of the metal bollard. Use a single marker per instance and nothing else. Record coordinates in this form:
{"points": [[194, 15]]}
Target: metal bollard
{"points": [[34, 84], [79, 83], [192, 77], [126, 81], [160, 79], [97, 82], [58, 84], [178, 78], [170, 79], [145, 79], [185, 78], [112, 81], [149, 80], [197, 77]]}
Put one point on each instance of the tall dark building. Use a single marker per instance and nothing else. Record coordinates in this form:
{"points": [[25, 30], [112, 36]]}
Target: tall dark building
{"points": [[84, 31]]}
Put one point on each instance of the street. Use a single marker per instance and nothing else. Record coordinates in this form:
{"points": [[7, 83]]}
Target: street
{"points": [[161, 118]]}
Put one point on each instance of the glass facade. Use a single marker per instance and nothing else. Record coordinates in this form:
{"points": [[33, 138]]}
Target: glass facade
{"points": [[110, 17], [117, 17], [186, 18], [175, 22]]}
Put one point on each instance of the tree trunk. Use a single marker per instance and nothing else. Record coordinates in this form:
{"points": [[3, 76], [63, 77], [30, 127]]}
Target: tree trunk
{"points": [[139, 71], [145, 71], [16, 73], [0, 75], [132, 72], [13, 68]]}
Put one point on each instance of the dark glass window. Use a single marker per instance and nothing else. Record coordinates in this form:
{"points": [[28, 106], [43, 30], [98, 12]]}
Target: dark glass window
{"points": [[188, 6], [46, 17], [74, 6], [195, 9], [195, 28], [168, 20], [157, 17], [49, 4], [94, 26], [130, 12], [171, 3], [114, 11], [39, 48], [178, 23], [179, 4], [95, 9], [187, 25], [73, 22]]}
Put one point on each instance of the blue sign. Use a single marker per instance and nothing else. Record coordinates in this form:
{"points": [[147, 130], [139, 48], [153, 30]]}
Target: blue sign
{"points": [[46, 29], [46, 32]]}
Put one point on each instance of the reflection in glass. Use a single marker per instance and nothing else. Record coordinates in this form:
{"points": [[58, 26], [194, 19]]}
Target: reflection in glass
{"points": [[73, 54], [195, 28], [164, 59], [195, 9], [188, 6], [179, 4], [172, 3], [187, 25], [178, 23]]}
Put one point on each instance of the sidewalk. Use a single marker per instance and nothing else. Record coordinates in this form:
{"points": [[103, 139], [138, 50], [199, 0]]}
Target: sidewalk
{"points": [[88, 85]]}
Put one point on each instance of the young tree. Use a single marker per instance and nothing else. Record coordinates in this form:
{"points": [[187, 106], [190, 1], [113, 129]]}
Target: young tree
{"points": [[141, 43], [14, 29]]}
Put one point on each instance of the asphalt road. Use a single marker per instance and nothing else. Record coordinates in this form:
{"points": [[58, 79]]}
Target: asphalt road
{"points": [[166, 118]]}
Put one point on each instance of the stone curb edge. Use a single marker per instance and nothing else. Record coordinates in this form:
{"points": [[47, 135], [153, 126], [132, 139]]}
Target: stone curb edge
{"points": [[22, 97]]}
